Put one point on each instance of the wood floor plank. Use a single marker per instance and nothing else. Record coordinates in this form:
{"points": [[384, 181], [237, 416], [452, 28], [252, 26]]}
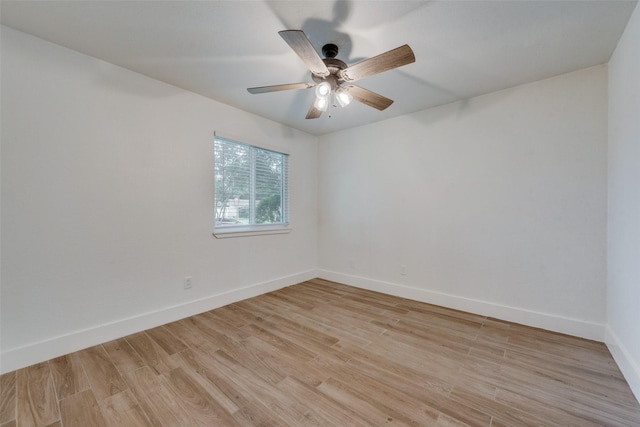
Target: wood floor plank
{"points": [[575, 401], [365, 409], [412, 364], [223, 327], [548, 414], [236, 315], [308, 295], [155, 398], [429, 310], [586, 377], [8, 397], [321, 353], [192, 335], [286, 365], [333, 290], [481, 402], [406, 407], [433, 393], [332, 413], [302, 305], [81, 410], [480, 366], [248, 356], [123, 356], [253, 417], [447, 421], [493, 332], [169, 342], [282, 404], [255, 306], [194, 399], [361, 325], [103, 376], [309, 339], [37, 404], [123, 409], [277, 340], [434, 338], [237, 393], [360, 308], [197, 366], [309, 330], [150, 352], [69, 376], [337, 332]]}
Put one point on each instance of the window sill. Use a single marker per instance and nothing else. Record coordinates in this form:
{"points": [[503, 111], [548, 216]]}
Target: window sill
{"points": [[249, 231]]}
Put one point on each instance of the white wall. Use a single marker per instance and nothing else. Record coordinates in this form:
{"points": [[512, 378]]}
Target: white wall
{"points": [[107, 186], [496, 205], [623, 292]]}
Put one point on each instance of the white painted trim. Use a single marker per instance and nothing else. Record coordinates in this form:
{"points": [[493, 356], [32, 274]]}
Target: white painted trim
{"points": [[21, 357], [629, 367], [249, 231], [565, 325], [44, 350]]}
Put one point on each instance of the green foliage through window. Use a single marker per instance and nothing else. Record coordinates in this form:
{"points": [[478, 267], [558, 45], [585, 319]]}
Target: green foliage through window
{"points": [[251, 185]]}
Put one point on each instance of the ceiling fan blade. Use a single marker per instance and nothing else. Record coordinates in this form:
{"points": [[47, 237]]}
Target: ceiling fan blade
{"points": [[313, 112], [304, 49], [369, 98], [395, 58], [276, 88]]}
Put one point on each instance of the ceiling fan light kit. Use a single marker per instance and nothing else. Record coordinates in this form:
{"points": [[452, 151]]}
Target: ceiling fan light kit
{"points": [[323, 90], [343, 97], [321, 103], [330, 73]]}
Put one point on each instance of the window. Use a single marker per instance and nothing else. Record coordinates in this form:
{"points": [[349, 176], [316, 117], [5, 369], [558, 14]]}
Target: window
{"points": [[251, 189]]}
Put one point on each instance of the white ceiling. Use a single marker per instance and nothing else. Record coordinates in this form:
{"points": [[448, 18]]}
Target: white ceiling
{"points": [[219, 48]]}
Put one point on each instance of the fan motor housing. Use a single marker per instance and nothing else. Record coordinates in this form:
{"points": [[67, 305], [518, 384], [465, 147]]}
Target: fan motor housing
{"points": [[335, 66], [330, 51]]}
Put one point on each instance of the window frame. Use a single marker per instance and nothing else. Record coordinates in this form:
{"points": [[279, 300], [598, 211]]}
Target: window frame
{"points": [[254, 229]]}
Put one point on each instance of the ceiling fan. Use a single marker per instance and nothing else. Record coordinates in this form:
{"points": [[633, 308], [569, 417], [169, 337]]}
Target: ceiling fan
{"points": [[332, 75]]}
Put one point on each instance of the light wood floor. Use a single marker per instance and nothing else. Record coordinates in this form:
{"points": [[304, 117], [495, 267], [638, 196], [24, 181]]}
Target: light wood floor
{"points": [[325, 354]]}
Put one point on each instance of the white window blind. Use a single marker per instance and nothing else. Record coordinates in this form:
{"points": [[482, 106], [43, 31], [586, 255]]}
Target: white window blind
{"points": [[251, 187]]}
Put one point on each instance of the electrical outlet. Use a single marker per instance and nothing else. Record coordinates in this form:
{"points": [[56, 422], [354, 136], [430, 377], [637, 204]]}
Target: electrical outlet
{"points": [[403, 269], [187, 282]]}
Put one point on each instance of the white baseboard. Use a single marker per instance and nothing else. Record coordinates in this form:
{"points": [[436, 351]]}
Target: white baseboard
{"points": [[629, 367], [17, 358], [21, 357], [575, 327]]}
